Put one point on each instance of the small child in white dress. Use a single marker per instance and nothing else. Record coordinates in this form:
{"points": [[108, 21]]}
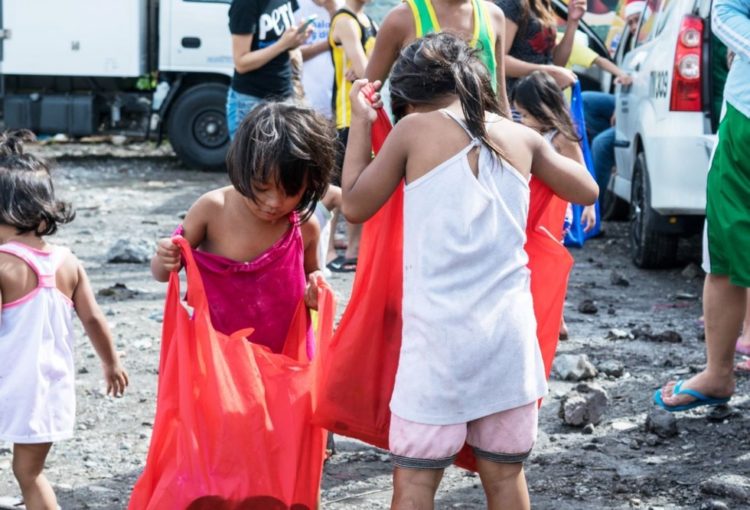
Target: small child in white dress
{"points": [[40, 286]]}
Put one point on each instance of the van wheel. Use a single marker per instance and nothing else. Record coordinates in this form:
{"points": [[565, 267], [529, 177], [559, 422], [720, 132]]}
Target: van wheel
{"points": [[649, 248], [197, 126]]}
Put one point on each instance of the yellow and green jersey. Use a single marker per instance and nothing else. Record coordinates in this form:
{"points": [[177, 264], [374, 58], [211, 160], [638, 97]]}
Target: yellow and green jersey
{"points": [[483, 38]]}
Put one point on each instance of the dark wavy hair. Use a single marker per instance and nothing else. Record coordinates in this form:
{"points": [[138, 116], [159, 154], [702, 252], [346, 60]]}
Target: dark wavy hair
{"points": [[539, 94], [440, 65], [284, 144], [27, 196]]}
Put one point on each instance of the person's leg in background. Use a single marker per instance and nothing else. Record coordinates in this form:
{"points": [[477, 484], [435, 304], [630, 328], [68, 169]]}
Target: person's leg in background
{"points": [[238, 106], [603, 153], [598, 108]]}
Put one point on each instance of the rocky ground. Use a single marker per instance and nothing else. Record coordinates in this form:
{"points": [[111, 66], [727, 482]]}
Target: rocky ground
{"points": [[636, 328]]}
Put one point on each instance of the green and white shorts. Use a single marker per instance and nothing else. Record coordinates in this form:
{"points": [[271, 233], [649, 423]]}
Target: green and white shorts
{"points": [[726, 241]]}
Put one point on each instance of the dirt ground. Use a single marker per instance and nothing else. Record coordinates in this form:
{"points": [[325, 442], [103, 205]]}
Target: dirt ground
{"points": [[615, 464]]}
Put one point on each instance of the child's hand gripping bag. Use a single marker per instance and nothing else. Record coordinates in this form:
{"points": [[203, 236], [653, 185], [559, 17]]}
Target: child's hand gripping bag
{"points": [[233, 420], [359, 365], [574, 234]]}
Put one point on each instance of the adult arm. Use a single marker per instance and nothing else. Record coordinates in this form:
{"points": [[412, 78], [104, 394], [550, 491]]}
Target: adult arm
{"points": [[367, 183], [561, 53], [517, 68], [498, 22], [609, 66], [246, 60], [346, 32], [391, 38], [310, 51], [730, 20]]}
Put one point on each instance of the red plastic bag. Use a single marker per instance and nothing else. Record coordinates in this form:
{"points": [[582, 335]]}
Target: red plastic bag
{"points": [[233, 420], [359, 366]]}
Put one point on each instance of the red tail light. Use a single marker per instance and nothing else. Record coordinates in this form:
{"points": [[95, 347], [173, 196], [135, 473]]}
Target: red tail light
{"points": [[686, 76]]}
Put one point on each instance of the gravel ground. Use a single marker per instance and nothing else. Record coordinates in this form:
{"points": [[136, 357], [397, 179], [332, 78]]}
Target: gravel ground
{"points": [[644, 330]]}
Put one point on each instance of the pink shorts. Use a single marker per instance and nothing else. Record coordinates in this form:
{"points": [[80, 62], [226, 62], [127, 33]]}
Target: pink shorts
{"points": [[505, 437]]}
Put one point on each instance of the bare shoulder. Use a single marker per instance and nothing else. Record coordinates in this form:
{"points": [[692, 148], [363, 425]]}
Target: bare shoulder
{"points": [[210, 202], [398, 21], [495, 12], [517, 141]]}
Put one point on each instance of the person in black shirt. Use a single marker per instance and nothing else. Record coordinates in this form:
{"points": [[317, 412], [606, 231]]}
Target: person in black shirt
{"points": [[263, 32]]}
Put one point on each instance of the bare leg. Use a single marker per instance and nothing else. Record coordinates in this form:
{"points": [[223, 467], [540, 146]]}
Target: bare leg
{"points": [[414, 489], [28, 463], [354, 233], [724, 310], [745, 337], [504, 485], [332, 239]]}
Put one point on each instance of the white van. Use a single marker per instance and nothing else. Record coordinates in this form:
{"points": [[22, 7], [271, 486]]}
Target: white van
{"points": [[666, 124]]}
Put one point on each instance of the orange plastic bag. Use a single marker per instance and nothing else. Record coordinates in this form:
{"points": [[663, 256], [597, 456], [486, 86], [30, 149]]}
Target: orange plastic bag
{"points": [[233, 420], [359, 366]]}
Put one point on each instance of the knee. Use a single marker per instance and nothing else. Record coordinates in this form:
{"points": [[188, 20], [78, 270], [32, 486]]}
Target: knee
{"points": [[415, 489], [25, 473], [504, 477]]}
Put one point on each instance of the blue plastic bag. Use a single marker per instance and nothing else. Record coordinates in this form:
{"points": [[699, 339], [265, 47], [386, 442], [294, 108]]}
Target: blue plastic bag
{"points": [[574, 234]]}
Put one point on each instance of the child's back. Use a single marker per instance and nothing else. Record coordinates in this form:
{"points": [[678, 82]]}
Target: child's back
{"points": [[37, 288], [464, 267]]}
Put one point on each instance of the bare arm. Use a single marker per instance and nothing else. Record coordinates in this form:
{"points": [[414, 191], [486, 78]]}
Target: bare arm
{"points": [[516, 68], [310, 51], [310, 237], [97, 329], [498, 21], [167, 257], [346, 32], [561, 53], [610, 67], [567, 177], [391, 38], [246, 60], [367, 183]]}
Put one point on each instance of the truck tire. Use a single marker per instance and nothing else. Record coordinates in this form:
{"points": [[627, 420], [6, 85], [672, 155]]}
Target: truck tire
{"points": [[197, 126], [649, 248]]}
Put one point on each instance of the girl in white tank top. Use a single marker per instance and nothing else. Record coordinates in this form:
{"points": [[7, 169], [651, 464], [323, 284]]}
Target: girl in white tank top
{"points": [[41, 286], [469, 347]]}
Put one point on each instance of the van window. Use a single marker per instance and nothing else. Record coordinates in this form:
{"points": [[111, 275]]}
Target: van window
{"points": [[648, 25]]}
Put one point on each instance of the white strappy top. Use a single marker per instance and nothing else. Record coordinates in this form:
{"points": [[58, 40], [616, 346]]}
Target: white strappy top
{"points": [[37, 389], [469, 346]]}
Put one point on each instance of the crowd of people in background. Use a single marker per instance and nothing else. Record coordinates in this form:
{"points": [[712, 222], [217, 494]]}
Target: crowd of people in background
{"points": [[477, 90]]}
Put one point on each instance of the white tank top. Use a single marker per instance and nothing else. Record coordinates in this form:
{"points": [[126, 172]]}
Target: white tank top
{"points": [[37, 389], [469, 347]]}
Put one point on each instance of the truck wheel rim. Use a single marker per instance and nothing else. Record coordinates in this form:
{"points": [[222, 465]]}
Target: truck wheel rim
{"points": [[210, 129]]}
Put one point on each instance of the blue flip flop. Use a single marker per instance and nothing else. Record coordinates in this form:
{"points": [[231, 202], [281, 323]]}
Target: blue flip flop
{"points": [[700, 399]]}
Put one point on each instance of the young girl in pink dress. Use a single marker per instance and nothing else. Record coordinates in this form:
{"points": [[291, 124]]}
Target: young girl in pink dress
{"points": [[256, 251], [41, 285]]}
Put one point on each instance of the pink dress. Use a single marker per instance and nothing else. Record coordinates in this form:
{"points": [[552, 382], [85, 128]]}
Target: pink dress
{"points": [[262, 293]]}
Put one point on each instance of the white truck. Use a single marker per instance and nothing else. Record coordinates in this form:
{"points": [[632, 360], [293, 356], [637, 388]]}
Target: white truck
{"points": [[136, 67]]}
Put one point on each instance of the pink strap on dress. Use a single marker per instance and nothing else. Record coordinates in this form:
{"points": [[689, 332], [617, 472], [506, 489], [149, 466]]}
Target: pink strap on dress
{"points": [[262, 294]]}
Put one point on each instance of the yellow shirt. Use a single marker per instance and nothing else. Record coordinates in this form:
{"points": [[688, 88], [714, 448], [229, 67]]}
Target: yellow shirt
{"points": [[341, 86]]}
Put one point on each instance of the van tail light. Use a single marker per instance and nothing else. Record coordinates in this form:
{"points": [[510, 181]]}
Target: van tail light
{"points": [[686, 76]]}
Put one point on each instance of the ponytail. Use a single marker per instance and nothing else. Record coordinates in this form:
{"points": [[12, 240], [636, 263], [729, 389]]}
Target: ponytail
{"points": [[471, 91]]}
